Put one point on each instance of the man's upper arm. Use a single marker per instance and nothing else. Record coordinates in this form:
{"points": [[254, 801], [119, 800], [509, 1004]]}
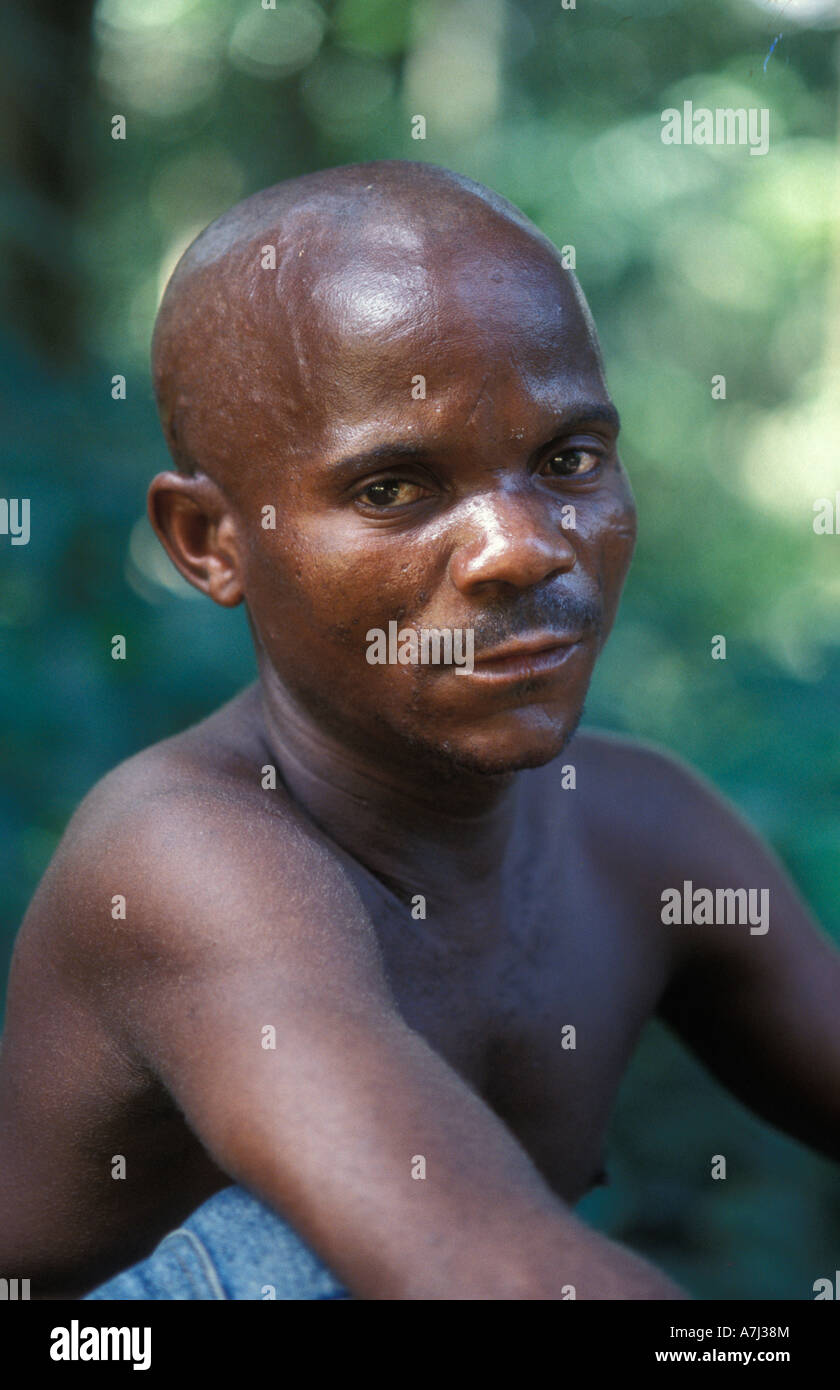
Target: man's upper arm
{"points": [[247, 977], [760, 1008]]}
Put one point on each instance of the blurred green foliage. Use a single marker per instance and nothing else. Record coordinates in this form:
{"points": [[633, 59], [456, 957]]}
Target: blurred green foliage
{"points": [[696, 261]]}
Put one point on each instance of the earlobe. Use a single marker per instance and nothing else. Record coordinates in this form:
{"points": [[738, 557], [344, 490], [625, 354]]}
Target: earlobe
{"points": [[193, 522]]}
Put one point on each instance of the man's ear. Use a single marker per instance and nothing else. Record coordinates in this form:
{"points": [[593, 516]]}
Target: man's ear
{"points": [[194, 523]]}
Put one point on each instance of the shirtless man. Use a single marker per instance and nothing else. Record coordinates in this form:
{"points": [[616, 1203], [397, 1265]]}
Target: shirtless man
{"points": [[424, 904]]}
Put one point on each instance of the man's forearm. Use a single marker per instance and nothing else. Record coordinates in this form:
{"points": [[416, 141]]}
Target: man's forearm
{"points": [[553, 1256]]}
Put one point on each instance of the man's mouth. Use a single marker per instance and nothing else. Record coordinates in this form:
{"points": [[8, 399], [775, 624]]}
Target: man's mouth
{"points": [[526, 657]]}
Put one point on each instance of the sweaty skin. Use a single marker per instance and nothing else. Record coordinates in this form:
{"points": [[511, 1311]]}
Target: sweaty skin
{"points": [[397, 1034]]}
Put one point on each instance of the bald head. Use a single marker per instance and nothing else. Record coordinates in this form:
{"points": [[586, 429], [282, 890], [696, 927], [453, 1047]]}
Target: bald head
{"points": [[387, 402], [289, 300]]}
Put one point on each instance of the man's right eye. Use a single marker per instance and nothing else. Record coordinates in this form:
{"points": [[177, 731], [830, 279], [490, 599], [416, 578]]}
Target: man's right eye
{"points": [[391, 492]]}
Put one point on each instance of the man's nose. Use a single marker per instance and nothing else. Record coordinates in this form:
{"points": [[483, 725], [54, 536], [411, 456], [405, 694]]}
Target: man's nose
{"points": [[510, 539]]}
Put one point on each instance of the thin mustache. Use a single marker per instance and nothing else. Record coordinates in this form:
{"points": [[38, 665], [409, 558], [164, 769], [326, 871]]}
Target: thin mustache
{"points": [[555, 613]]}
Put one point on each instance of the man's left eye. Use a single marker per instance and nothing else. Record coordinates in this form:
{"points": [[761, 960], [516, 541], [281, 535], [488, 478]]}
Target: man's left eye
{"points": [[572, 463]]}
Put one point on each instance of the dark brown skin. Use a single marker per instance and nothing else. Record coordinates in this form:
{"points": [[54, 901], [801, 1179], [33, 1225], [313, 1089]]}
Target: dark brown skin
{"points": [[291, 907]]}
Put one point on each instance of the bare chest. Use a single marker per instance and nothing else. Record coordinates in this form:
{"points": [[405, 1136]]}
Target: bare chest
{"points": [[537, 999]]}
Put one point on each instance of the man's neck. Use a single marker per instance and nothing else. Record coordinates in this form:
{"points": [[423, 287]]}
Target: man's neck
{"points": [[407, 825]]}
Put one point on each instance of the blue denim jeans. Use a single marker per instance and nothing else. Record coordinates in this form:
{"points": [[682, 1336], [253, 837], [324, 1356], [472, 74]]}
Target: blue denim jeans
{"points": [[233, 1246]]}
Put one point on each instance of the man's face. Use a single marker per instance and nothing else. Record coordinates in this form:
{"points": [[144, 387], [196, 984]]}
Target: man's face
{"points": [[449, 512]]}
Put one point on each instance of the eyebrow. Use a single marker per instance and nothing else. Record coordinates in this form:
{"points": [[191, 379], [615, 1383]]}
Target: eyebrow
{"points": [[582, 412], [573, 417]]}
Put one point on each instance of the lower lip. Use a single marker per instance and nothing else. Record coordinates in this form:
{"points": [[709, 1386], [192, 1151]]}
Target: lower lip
{"points": [[523, 665]]}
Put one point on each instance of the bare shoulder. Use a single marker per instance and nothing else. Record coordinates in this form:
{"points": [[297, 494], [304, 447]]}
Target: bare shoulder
{"points": [[621, 760], [181, 861], [650, 822], [650, 797], [668, 833]]}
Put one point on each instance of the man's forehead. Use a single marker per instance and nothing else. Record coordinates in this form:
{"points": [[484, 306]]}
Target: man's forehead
{"points": [[371, 296], [392, 306], [379, 274], [406, 334]]}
